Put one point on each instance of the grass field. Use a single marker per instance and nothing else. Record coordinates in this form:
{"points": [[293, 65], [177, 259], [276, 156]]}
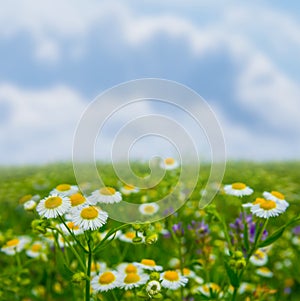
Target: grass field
{"points": [[204, 254]]}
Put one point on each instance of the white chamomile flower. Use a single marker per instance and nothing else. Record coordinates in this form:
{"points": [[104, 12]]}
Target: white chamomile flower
{"points": [[153, 287], [209, 287], [188, 273], [129, 189], [29, 205], [106, 195], [259, 258], [76, 230], [127, 268], [238, 189], [128, 236], [266, 208], [53, 206], [89, 218], [276, 197], [65, 189], [246, 287], [173, 280], [78, 201], [36, 250], [169, 164], [148, 208], [132, 280], [106, 281], [264, 272], [148, 264], [15, 245]]}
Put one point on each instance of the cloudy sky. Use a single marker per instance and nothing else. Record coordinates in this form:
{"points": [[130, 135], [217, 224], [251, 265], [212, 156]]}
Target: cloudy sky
{"points": [[57, 56]]}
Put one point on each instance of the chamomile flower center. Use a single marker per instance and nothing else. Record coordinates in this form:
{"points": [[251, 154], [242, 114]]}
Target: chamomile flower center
{"points": [[130, 235], [169, 161], [107, 191], [259, 254], [268, 205], [128, 187], [36, 248], [171, 276], [89, 213], [131, 269], [107, 278], [149, 209], [77, 199], [63, 187], [148, 262], [53, 202], [25, 198], [72, 226], [186, 272], [239, 186], [13, 242], [132, 278], [278, 195]]}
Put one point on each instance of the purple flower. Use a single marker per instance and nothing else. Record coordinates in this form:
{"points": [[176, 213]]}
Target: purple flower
{"points": [[296, 230]]}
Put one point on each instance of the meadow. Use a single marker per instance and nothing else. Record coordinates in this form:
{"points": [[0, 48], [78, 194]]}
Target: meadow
{"points": [[243, 246]]}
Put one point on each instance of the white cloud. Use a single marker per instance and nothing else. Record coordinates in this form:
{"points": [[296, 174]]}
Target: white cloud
{"points": [[39, 124]]}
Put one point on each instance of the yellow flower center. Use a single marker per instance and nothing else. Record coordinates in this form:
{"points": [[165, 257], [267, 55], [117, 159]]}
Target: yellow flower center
{"points": [[148, 262], [128, 187], [77, 199], [63, 187], [259, 254], [107, 278], [278, 195], [107, 191], [53, 202], [72, 226], [238, 186], [149, 209], [132, 278], [130, 235], [258, 201], [171, 276], [169, 161], [130, 269], [186, 272], [214, 287], [268, 205], [25, 198], [264, 270], [89, 213], [95, 267], [36, 248], [13, 242]]}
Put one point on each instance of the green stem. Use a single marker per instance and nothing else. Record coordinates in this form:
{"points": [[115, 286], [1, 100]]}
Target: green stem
{"points": [[234, 294], [72, 234], [88, 270]]}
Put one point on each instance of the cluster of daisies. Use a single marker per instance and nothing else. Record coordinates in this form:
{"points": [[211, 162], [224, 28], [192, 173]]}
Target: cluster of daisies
{"points": [[270, 205], [85, 213], [132, 275]]}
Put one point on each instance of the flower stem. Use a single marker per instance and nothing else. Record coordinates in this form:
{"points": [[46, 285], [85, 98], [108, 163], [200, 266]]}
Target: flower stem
{"points": [[88, 270]]}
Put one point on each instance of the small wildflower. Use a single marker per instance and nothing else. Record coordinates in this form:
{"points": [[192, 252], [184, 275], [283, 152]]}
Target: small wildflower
{"points": [[173, 280], [264, 272], [206, 288], [259, 258], [53, 206], [153, 288], [29, 205], [78, 200], [276, 197], [106, 195], [132, 280], [106, 281], [266, 208], [129, 189], [37, 249], [15, 245], [169, 164], [90, 218], [148, 264], [238, 189], [64, 189], [148, 208]]}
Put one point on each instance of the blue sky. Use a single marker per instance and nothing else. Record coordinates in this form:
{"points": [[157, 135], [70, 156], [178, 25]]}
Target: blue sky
{"points": [[57, 56]]}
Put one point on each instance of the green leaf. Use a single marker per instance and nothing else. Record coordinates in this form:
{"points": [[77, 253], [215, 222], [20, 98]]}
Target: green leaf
{"points": [[233, 277], [278, 233]]}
